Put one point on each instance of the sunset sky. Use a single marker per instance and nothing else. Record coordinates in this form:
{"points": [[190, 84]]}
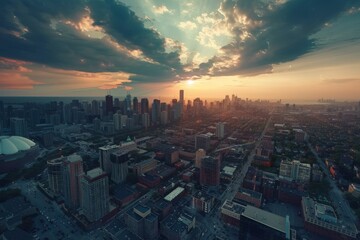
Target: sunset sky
{"points": [[269, 49]]}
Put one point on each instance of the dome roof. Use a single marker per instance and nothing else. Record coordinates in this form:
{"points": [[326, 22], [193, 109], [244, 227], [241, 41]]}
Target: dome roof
{"points": [[14, 144]]}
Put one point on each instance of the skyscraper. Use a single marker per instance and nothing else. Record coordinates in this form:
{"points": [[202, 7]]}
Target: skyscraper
{"points": [[104, 156], [72, 173], [181, 99], [200, 153], [55, 174], [109, 104], [18, 127], [144, 105], [95, 194], [210, 171], [128, 103], [202, 141], [119, 166], [220, 130], [135, 105], [155, 112]]}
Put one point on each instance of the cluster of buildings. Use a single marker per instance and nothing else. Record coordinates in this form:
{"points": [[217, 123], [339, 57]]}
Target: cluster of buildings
{"points": [[84, 193]]}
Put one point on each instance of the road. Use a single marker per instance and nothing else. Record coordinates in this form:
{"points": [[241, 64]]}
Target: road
{"points": [[212, 225], [51, 222], [336, 195]]}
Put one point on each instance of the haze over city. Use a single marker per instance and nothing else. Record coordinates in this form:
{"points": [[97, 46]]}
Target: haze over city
{"points": [[297, 49], [179, 120]]}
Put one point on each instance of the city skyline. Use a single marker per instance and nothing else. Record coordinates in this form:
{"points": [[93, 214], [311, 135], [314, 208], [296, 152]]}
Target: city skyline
{"points": [[297, 50]]}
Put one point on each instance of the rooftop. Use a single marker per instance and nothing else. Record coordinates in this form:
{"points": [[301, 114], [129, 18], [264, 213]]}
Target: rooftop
{"points": [[74, 158], [250, 193], [96, 172], [171, 196], [266, 218]]}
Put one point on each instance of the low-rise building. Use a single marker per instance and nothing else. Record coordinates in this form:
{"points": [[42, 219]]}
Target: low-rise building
{"points": [[248, 197], [202, 202], [321, 219]]}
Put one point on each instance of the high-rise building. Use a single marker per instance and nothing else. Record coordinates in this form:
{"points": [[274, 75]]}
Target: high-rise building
{"points": [[119, 166], [117, 121], [135, 105], [210, 171], [164, 118], [55, 174], [181, 97], [128, 107], [202, 141], [95, 107], [155, 112], [95, 194], [18, 127], [200, 153], [72, 173], [141, 221], [144, 105], [109, 104], [104, 156], [295, 170], [220, 130], [145, 120]]}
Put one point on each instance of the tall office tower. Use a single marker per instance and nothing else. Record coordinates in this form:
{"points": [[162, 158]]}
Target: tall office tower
{"points": [[116, 104], [104, 156], [163, 107], [119, 166], [117, 121], [109, 104], [128, 103], [95, 107], [123, 120], [181, 99], [72, 173], [202, 141], [197, 105], [135, 105], [95, 194], [144, 105], [67, 114], [141, 221], [200, 153], [55, 175], [164, 118], [210, 171], [34, 117], [220, 130], [145, 120], [18, 127], [155, 112]]}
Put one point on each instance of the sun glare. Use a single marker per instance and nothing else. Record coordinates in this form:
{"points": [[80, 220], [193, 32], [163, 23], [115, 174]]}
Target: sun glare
{"points": [[190, 82]]}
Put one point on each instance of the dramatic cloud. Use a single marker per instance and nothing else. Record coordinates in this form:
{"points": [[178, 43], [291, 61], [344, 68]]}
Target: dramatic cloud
{"points": [[161, 9], [187, 25], [270, 32], [119, 45], [52, 33]]}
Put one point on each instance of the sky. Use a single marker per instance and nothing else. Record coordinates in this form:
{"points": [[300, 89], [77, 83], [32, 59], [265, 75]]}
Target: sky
{"points": [[267, 49]]}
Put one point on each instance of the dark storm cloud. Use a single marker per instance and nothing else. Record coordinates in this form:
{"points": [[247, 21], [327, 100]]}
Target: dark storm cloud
{"points": [[271, 32], [31, 31], [122, 24]]}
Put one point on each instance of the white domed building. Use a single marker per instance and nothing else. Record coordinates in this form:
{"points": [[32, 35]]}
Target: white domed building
{"points": [[15, 152]]}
